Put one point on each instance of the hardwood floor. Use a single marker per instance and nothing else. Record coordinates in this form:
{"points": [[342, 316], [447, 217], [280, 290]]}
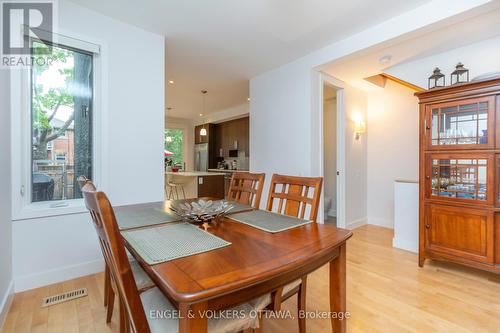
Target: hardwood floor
{"points": [[386, 292]]}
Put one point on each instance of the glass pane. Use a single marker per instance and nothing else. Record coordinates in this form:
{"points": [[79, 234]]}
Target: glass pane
{"points": [[174, 141], [61, 113], [459, 178], [462, 124]]}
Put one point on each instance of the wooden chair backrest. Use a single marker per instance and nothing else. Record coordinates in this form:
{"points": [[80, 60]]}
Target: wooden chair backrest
{"points": [[246, 188], [294, 195], [115, 256]]}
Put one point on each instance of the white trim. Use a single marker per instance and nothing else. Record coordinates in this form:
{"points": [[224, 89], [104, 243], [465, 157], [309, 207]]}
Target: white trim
{"points": [[6, 303], [340, 195], [21, 145], [356, 223], [61, 274]]}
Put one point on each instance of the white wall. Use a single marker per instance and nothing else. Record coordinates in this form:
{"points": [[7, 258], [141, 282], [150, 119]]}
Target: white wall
{"points": [[479, 58], [330, 151], [53, 249], [6, 285], [355, 105], [392, 133]]}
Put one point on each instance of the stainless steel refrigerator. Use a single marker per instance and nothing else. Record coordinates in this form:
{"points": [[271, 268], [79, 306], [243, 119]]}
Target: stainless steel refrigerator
{"points": [[201, 156]]}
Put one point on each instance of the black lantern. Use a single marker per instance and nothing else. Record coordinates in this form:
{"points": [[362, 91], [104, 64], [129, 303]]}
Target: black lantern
{"points": [[460, 74], [437, 79]]}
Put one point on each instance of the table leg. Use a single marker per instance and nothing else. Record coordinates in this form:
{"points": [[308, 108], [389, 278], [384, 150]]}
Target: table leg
{"points": [[338, 290], [193, 318]]}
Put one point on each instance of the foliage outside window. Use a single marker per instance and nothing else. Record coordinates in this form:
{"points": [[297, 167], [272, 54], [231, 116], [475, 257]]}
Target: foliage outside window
{"points": [[174, 141], [61, 123]]}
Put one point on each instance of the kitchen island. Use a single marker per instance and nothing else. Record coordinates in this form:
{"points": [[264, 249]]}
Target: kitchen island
{"points": [[195, 184]]}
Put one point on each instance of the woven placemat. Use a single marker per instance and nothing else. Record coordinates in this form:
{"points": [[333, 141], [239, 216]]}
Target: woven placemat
{"points": [[171, 241], [238, 208], [143, 218], [269, 221]]}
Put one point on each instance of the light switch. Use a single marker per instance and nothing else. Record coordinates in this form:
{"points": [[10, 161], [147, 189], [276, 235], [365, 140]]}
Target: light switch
{"points": [[200, 180]]}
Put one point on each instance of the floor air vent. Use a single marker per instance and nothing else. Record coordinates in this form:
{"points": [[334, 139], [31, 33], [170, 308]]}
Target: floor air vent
{"points": [[70, 295]]}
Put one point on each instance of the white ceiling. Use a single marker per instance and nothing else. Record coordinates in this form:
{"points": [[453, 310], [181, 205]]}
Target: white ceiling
{"points": [[355, 67], [219, 45]]}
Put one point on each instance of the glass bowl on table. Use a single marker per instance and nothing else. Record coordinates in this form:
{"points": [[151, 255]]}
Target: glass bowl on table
{"points": [[202, 211]]}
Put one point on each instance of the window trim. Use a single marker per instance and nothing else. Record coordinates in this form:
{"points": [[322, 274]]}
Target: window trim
{"points": [[22, 208]]}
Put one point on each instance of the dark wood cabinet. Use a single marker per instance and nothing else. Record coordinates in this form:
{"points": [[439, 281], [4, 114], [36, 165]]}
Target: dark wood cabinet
{"points": [[209, 139], [229, 132], [460, 174], [211, 186]]}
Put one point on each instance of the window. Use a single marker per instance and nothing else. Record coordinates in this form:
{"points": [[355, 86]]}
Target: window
{"points": [[61, 122], [174, 141]]}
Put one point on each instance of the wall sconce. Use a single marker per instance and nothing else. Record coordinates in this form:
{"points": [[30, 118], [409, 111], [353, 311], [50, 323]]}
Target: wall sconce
{"points": [[359, 127]]}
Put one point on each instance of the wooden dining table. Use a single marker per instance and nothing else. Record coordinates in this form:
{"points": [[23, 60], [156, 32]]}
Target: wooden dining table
{"points": [[256, 263]]}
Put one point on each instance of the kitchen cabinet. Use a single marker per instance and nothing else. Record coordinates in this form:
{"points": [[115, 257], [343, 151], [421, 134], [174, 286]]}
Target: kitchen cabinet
{"points": [[459, 182], [230, 131], [211, 186]]}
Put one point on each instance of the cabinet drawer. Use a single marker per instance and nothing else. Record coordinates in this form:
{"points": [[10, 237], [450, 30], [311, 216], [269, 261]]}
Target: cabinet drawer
{"points": [[461, 232]]}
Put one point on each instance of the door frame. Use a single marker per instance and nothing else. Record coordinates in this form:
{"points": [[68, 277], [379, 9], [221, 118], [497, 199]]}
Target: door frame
{"points": [[319, 138]]}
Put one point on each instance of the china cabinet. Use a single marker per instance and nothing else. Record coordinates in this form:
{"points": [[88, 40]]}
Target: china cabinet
{"points": [[459, 202]]}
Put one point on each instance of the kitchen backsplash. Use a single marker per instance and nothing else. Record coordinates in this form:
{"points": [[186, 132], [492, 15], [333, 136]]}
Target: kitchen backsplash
{"points": [[242, 161]]}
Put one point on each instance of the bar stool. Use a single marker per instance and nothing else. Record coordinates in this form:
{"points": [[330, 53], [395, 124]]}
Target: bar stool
{"points": [[174, 184]]}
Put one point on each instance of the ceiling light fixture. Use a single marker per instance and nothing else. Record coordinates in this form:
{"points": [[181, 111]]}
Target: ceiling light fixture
{"points": [[171, 82], [203, 130], [386, 59], [248, 99]]}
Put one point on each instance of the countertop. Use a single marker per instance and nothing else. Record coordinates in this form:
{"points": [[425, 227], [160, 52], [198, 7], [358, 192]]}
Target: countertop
{"points": [[194, 173], [225, 170]]}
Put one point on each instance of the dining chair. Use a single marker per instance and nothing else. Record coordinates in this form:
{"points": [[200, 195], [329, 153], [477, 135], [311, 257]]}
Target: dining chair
{"points": [[246, 188], [134, 305], [141, 278], [294, 196]]}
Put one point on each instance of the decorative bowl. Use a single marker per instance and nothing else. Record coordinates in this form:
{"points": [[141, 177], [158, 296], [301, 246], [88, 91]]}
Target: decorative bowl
{"points": [[202, 210]]}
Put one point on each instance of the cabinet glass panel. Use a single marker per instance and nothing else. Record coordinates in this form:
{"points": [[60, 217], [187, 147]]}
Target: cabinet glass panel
{"points": [[460, 124], [459, 178]]}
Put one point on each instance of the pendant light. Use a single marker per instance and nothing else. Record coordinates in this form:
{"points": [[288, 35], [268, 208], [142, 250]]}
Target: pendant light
{"points": [[203, 130]]}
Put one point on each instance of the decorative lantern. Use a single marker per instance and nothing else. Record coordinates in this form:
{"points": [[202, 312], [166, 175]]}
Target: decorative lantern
{"points": [[437, 79], [460, 74]]}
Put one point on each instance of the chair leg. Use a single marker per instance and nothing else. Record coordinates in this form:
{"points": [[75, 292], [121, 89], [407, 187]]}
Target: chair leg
{"points": [[106, 284], [176, 193], [183, 193], [124, 327], [111, 304], [301, 304]]}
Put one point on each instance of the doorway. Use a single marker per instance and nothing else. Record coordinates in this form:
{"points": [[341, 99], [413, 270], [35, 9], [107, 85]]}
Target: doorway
{"points": [[329, 145], [330, 154]]}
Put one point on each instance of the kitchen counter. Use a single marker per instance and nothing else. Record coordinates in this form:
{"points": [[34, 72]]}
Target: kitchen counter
{"points": [[225, 170], [194, 173]]}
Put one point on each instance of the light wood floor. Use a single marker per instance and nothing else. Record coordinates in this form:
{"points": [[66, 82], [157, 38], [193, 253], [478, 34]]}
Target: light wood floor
{"points": [[386, 292]]}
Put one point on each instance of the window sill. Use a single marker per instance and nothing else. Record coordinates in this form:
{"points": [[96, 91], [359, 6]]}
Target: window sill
{"points": [[47, 209]]}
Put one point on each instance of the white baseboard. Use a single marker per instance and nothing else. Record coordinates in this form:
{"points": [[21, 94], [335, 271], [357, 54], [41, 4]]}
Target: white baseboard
{"points": [[356, 223], [405, 245], [6, 303], [381, 222], [36, 280]]}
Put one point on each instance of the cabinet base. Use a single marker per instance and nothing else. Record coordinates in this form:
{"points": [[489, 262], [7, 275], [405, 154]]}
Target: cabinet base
{"points": [[493, 268]]}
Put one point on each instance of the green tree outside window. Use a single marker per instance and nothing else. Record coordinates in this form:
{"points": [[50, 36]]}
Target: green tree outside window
{"points": [[174, 139]]}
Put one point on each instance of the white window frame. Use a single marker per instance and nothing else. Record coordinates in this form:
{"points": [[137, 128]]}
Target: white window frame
{"points": [[22, 207]]}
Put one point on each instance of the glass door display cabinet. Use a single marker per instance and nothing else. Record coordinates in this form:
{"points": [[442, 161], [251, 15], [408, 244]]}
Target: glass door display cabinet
{"points": [[459, 205], [460, 178], [466, 124]]}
